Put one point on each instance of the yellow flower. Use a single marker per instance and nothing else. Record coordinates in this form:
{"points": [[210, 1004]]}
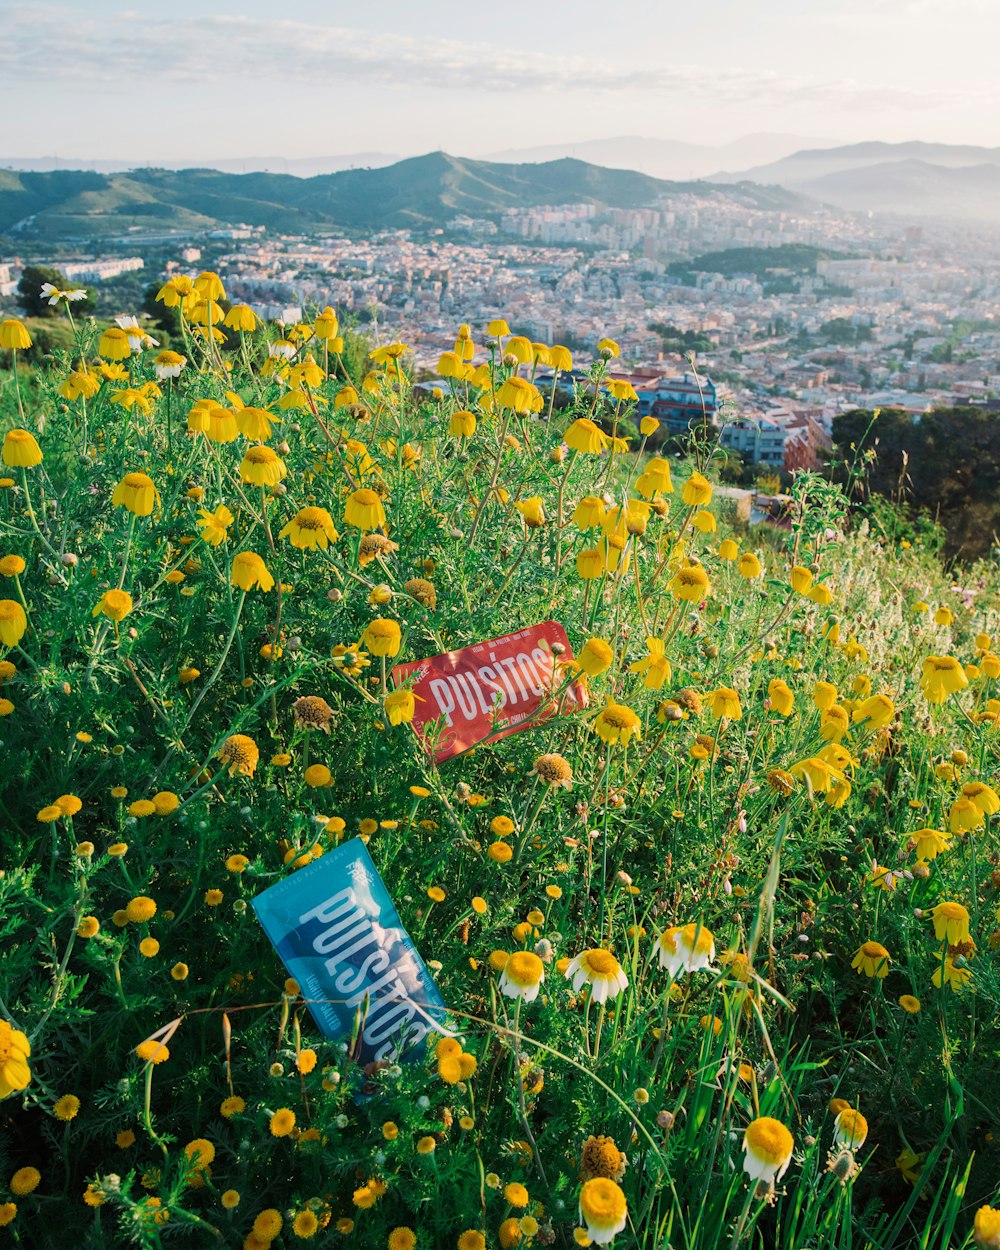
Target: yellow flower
{"points": [[984, 796], [267, 1224], [767, 1147], [152, 1051], [690, 583], [521, 975], [262, 466], [929, 843], [876, 711], [137, 493], [240, 753], [382, 637], [704, 522], [462, 424], [25, 1181], [364, 510], [114, 344], [801, 579], [872, 960], [749, 566], [451, 365], [587, 437], [15, 1050], [305, 1224], [220, 425], [943, 675], [655, 478], [241, 317], [824, 695], [590, 564], [589, 513], [603, 1209], [14, 335], [309, 529], [617, 724], [833, 723], [621, 389], [532, 511], [963, 815], [248, 570], [950, 974], [728, 550], [282, 1122], [595, 657], [255, 423], [782, 699], [400, 706], [519, 395], [951, 923], [725, 702], [13, 622], [599, 969], [20, 450], [67, 1107], [214, 525], [655, 665], [697, 491], [986, 1228]]}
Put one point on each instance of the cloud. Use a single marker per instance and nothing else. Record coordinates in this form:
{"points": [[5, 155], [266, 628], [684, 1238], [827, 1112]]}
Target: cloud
{"points": [[55, 45]]}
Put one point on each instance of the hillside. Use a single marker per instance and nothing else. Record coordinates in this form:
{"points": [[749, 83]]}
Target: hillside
{"points": [[915, 179], [423, 192], [915, 188]]}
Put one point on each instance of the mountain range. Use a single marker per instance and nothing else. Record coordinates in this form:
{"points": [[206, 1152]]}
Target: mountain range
{"points": [[912, 179], [661, 158], [423, 192], [669, 158]]}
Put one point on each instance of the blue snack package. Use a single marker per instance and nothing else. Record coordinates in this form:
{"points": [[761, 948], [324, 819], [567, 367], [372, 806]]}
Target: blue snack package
{"points": [[337, 932]]}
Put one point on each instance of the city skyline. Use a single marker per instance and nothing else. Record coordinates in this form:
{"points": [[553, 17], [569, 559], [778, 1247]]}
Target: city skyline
{"points": [[106, 81]]}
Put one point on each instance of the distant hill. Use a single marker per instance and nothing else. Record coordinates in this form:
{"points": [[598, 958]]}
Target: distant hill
{"points": [[423, 193], [916, 188], [668, 158], [301, 167], [913, 179]]}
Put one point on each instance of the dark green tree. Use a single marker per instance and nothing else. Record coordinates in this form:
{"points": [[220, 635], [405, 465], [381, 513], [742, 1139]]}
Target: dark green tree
{"points": [[167, 320], [945, 465]]}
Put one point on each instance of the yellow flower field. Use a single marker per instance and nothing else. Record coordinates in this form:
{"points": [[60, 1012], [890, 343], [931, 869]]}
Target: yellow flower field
{"points": [[713, 911]]}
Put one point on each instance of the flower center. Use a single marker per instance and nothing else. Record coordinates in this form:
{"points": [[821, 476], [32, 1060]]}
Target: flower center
{"points": [[602, 962]]}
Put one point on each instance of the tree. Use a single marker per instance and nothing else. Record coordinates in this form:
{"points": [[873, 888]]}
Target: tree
{"points": [[29, 292], [947, 465]]}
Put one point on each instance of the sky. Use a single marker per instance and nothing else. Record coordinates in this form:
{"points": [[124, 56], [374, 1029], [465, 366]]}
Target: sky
{"points": [[197, 80]]}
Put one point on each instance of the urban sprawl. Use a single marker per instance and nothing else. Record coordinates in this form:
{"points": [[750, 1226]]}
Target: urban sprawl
{"points": [[904, 316]]}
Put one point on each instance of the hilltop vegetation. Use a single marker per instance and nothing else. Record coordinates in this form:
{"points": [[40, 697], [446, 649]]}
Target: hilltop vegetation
{"points": [[759, 262]]}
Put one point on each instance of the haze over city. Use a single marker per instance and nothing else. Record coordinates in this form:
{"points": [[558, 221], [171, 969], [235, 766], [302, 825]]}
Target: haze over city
{"points": [[134, 83]]}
